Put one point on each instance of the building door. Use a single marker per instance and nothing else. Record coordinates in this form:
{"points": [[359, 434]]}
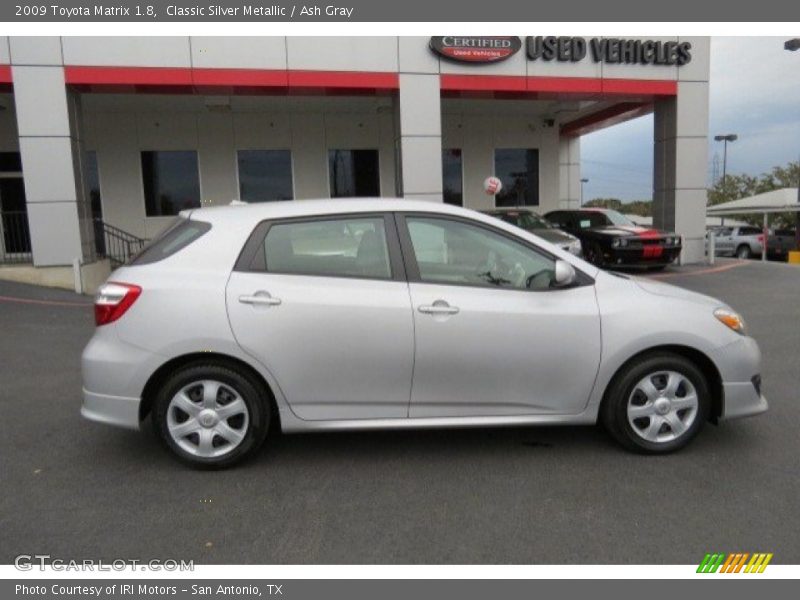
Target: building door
{"points": [[14, 222]]}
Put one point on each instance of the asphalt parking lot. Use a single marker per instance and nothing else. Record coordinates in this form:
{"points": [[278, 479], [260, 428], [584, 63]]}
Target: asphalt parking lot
{"points": [[74, 489]]}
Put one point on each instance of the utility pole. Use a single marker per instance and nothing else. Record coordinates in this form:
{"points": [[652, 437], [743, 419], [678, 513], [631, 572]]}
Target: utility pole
{"points": [[583, 180]]}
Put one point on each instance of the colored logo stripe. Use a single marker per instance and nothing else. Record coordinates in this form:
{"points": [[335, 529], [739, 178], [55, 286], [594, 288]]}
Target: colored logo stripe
{"points": [[734, 562]]}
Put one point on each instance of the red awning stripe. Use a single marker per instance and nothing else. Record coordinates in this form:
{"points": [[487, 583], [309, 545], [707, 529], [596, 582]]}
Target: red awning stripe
{"points": [[5, 74], [561, 85], [228, 78]]}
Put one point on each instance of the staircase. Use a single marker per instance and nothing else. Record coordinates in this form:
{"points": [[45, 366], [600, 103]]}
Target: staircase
{"points": [[116, 245]]}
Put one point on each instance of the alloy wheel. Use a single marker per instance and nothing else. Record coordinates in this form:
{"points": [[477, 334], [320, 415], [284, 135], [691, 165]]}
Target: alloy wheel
{"points": [[207, 419], [662, 406]]}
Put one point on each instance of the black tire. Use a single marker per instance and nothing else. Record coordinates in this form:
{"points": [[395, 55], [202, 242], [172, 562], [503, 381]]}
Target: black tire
{"points": [[251, 392], [594, 254], [744, 252], [614, 415]]}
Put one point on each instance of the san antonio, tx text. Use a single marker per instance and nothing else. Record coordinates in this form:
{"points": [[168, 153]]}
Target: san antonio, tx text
{"points": [[130, 589]]}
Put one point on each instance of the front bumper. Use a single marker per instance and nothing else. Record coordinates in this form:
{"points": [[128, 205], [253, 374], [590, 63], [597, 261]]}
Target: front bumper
{"points": [[739, 364], [742, 400], [641, 256]]}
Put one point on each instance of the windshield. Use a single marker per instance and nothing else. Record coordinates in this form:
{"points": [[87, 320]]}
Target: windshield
{"points": [[618, 218]]}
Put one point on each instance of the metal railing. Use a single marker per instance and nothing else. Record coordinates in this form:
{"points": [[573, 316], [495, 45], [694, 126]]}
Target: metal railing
{"points": [[113, 243], [15, 238]]}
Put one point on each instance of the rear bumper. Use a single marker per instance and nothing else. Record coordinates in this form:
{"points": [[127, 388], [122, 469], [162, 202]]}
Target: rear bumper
{"points": [[111, 410], [114, 375]]}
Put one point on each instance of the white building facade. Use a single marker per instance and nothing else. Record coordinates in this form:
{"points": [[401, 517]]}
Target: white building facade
{"points": [[131, 130]]}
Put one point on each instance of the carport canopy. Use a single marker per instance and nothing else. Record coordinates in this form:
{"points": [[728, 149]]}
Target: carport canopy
{"points": [[783, 200], [776, 201]]}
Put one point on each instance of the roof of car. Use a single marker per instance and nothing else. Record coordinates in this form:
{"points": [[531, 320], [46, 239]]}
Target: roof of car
{"points": [[241, 213]]}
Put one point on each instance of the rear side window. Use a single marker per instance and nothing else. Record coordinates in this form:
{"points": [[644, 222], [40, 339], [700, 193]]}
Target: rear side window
{"points": [[348, 247], [559, 219], [749, 231], [173, 239]]}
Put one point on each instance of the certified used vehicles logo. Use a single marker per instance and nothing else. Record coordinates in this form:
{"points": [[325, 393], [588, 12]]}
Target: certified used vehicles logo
{"points": [[473, 49], [736, 562]]}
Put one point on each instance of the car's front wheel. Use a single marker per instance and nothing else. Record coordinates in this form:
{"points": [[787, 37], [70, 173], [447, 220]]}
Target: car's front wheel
{"points": [[594, 254], [657, 404], [210, 415]]}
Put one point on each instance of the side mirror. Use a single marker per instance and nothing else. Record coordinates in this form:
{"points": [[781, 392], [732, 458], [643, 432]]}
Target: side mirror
{"points": [[564, 274]]}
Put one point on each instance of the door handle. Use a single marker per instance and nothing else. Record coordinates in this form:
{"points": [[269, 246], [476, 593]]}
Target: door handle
{"points": [[260, 299], [439, 307]]}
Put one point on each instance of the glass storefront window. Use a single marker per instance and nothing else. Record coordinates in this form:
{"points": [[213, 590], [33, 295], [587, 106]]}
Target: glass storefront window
{"points": [[171, 182], [452, 176], [518, 169], [353, 173], [265, 175]]}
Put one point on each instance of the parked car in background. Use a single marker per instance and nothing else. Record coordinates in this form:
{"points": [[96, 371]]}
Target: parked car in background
{"points": [[611, 239], [528, 220], [388, 314], [744, 241], [780, 242]]}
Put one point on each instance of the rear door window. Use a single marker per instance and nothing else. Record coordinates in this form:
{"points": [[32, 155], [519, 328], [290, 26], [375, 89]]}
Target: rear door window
{"points": [[170, 241], [342, 247]]}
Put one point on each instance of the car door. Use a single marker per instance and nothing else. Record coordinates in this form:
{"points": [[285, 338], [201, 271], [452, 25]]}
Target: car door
{"points": [[492, 336], [723, 241], [323, 303]]}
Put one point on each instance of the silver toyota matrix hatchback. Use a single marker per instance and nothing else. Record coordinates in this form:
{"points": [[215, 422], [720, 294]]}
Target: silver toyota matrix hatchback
{"points": [[377, 314]]}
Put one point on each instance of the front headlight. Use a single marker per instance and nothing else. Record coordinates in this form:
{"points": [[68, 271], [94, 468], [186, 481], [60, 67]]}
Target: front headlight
{"points": [[574, 247], [730, 319]]}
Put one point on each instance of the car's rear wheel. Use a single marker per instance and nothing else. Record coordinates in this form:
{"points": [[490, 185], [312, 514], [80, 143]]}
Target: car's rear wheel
{"points": [[657, 404], [743, 251], [210, 415]]}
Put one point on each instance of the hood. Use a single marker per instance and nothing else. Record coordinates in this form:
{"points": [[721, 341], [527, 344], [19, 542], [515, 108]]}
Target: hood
{"points": [[671, 291], [553, 236], [632, 230]]}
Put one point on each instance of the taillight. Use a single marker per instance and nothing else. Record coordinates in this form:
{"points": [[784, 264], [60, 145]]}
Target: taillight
{"points": [[761, 239], [113, 300]]}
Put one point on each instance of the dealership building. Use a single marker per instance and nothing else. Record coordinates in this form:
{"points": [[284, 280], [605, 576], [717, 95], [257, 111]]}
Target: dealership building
{"points": [[104, 139]]}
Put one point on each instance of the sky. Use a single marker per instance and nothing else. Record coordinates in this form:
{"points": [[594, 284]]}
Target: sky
{"points": [[754, 92]]}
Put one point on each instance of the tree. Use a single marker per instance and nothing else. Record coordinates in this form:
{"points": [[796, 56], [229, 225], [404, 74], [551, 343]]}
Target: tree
{"points": [[642, 208], [612, 203]]}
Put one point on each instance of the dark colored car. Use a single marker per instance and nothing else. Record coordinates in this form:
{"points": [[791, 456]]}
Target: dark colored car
{"points": [[530, 221], [780, 242], [611, 239]]}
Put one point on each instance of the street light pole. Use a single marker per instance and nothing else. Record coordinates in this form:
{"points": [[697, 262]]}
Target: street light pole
{"points": [[792, 46], [583, 180], [730, 137]]}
